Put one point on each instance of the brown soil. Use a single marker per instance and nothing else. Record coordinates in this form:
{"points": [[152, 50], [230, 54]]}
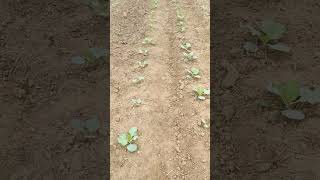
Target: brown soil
{"points": [[41, 91], [251, 143], [171, 144]]}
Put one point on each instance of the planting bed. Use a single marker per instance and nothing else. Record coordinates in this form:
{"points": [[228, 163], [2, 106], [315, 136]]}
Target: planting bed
{"points": [[251, 142], [41, 91], [171, 143]]}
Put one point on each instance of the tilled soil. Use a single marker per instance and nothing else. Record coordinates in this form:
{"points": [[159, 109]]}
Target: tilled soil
{"points": [[252, 142], [41, 91], [171, 144]]}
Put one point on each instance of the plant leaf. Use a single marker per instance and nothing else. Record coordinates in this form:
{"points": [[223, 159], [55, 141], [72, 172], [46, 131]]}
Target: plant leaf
{"points": [[78, 60], [132, 147], [250, 47], [293, 114], [280, 47], [98, 52], [77, 124], [195, 71], [133, 131], [273, 88], [123, 139], [309, 95], [289, 92], [92, 124], [272, 29], [251, 29]]}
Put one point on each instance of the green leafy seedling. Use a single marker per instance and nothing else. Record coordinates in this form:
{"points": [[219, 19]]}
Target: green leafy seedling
{"points": [[127, 139], [88, 128], [203, 124], [143, 63], [190, 56], [268, 33], [92, 56], [148, 40], [98, 6], [155, 4], [201, 92], [194, 72], [136, 102], [138, 80], [291, 93], [143, 51], [186, 46]]}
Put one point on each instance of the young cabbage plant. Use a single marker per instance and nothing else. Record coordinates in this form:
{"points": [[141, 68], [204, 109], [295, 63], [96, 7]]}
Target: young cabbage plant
{"points": [[138, 80], [201, 92], [136, 102], [269, 34], [291, 93], [148, 40], [143, 63], [190, 56], [143, 51], [186, 46], [127, 139], [194, 73], [92, 56]]}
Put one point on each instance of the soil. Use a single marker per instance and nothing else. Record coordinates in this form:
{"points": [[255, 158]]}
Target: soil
{"points": [[253, 143], [171, 144], [41, 91]]}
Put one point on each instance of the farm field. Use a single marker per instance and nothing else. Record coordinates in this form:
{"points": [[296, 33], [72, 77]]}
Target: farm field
{"points": [[42, 91], [252, 138], [153, 46]]}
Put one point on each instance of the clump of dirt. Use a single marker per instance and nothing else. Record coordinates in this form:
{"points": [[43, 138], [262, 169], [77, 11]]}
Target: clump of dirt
{"points": [[251, 142], [41, 91]]}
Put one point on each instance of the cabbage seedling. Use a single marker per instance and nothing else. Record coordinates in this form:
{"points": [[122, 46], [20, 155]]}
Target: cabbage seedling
{"points": [[143, 51], [201, 92], [127, 139], [291, 93], [190, 56], [143, 63], [194, 72], [186, 46], [269, 33], [136, 102], [148, 40], [138, 80]]}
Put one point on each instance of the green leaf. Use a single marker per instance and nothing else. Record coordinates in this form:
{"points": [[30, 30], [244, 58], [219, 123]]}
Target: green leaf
{"points": [[293, 114], [98, 52], [195, 71], [132, 147], [133, 131], [250, 47], [273, 88], [251, 29], [186, 46], [92, 124], [123, 139], [272, 29], [280, 47], [289, 92], [311, 96], [264, 104], [206, 91], [78, 60], [77, 124]]}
